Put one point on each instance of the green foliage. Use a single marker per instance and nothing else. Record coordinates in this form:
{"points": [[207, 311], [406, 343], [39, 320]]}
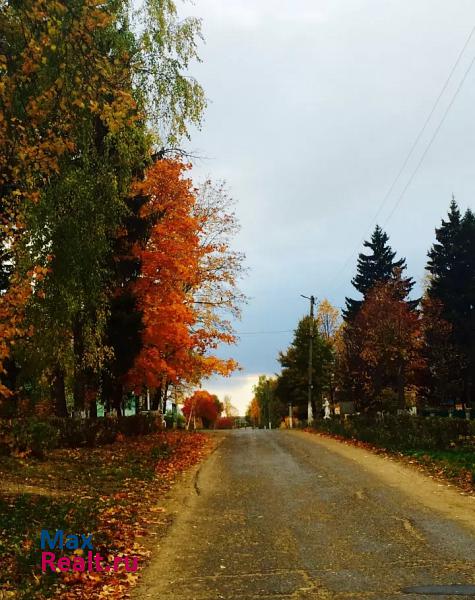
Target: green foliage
{"points": [[292, 384], [454, 463], [171, 419], [378, 266], [168, 46], [21, 520], [404, 432], [271, 407], [452, 284], [35, 436], [89, 101]]}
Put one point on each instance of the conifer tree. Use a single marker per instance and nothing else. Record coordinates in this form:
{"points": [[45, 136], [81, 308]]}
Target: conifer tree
{"points": [[452, 284], [292, 384], [378, 266]]}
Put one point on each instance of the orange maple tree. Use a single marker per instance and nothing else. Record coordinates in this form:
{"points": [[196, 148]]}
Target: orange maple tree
{"points": [[203, 405], [175, 342]]}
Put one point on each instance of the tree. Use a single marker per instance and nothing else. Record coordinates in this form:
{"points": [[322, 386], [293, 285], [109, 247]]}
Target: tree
{"points": [[216, 295], [229, 410], [292, 383], [178, 337], [204, 406], [81, 83], [64, 90], [167, 45], [330, 329], [451, 286], [253, 413], [271, 408], [328, 321], [378, 266], [445, 364], [389, 344]]}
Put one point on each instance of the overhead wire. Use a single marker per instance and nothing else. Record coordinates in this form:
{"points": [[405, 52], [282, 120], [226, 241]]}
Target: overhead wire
{"points": [[432, 140], [413, 147]]}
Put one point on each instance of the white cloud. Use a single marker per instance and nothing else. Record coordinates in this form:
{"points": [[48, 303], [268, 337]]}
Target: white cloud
{"points": [[239, 388], [251, 15]]}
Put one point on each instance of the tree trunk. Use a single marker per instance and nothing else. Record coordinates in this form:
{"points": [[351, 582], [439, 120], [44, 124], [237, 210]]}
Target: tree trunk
{"points": [[93, 409], [401, 384], [164, 396], [157, 399], [79, 384], [59, 392], [316, 415], [117, 398]]}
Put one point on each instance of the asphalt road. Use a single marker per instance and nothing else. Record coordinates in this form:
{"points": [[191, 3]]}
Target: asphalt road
{"points": [[275, 514]]}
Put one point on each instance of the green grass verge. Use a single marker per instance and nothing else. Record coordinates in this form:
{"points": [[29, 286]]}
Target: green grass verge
{"points": [[454, 464]]}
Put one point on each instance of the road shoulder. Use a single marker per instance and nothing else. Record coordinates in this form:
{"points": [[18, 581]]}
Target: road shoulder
{"points": [[433, 494]]}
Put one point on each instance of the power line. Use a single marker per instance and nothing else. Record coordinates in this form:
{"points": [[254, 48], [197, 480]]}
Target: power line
{"points": [[413, 147], [433, 138]]}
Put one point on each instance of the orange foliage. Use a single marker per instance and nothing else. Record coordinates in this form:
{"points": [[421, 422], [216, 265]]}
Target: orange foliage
{"points": [[203, 405], [254, 411], [175, 347], [390, 338], [113, 523], [12, 304]]}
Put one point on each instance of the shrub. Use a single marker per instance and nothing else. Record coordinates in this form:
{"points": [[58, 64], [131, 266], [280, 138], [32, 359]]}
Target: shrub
{"points": [[225, 423], [180, 420], [33, 436], [36, 436], [403, 432]]}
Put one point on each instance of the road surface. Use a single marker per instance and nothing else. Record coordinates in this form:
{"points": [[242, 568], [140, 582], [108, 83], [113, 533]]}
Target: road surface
{"points": [[291, 515]]}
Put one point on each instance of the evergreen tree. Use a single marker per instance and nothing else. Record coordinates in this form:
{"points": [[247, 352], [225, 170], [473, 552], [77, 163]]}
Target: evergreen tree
{"points": [[452, 269], [445, 262], [292, 384], [378, 266]]}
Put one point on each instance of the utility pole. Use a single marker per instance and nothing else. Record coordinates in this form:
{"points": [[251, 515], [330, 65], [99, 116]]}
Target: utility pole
{"points": [[310, 359], [268, 402]]}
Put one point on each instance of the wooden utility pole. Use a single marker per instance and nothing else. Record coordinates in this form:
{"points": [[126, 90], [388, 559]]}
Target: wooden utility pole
{"points": [[310, 360]]}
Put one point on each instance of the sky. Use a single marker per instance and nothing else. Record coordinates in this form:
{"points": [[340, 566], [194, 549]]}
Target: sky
{"points": [[313, 108]]}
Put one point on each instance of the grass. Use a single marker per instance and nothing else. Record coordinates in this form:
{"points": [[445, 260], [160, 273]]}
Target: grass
{"points": [[107, 491], [456, 464]]}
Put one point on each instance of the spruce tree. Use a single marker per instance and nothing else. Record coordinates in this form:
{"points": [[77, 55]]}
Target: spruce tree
{"points": [[452, 269], [445, 262], [378, 266]]}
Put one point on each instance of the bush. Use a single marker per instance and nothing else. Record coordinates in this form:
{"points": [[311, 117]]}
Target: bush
{"points": [[33, 436], [403, 432], [36, 436], [180, 420], [225, 423]]}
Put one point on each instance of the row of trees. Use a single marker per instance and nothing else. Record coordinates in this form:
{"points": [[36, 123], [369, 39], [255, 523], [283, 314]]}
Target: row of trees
{"points": [[207, 408], [116, 272], [389, 351]]}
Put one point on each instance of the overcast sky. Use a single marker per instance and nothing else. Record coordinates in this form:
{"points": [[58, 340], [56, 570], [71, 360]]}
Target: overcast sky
{"points": [[313, 107]]}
